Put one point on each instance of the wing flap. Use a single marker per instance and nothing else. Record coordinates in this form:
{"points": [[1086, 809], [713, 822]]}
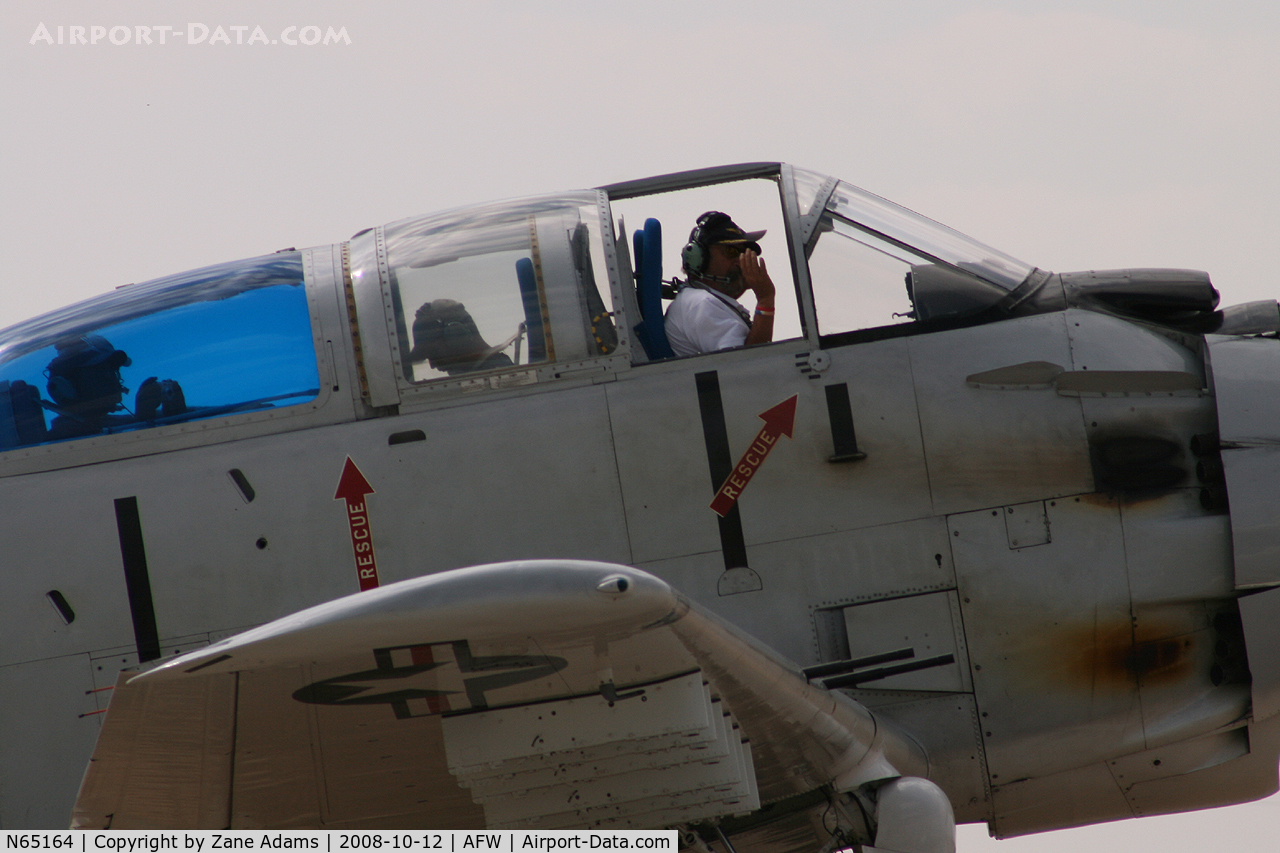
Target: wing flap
{"points": [[163, 755], [564, 780], [584, 765]]}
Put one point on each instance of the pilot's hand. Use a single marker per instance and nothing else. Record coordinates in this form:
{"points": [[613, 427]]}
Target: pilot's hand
{"points": [[756, 277], [155, 398]]}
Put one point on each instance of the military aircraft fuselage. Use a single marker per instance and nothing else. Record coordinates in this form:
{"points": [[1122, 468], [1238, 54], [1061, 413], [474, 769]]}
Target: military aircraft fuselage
{"points": [[1016, 494]]}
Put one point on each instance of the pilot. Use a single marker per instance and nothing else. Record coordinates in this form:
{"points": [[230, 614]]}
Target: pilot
{"points": [[445, 335], [722, 262], [87, 391]]}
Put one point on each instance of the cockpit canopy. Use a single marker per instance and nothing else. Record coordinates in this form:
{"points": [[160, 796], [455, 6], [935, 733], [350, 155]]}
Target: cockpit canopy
{"points": [[234, 337], [484, 297], [863, 262], [493, 287]]}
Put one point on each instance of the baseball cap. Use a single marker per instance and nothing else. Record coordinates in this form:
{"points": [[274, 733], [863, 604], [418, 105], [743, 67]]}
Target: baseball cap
{"points": [[716, 227]]}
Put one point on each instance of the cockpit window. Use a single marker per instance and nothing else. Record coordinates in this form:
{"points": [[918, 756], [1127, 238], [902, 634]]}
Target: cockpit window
{"points": [[874, 264], [859, 280], [495, 288], [215, 341], [752, 203], [931, 239]]}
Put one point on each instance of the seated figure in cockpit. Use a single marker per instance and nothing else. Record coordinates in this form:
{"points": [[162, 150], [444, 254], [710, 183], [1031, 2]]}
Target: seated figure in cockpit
{"points": [[87, 391], [446, 336], [723, 262]]}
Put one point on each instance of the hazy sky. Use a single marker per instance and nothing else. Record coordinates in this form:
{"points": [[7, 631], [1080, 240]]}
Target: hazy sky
{"points": [[1081, 135]]}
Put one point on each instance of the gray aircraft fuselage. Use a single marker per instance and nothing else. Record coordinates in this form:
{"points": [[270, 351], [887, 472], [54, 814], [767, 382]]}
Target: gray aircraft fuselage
{"points": [[1026, 484]]}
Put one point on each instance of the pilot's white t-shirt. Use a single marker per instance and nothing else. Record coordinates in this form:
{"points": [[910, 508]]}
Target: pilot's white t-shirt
{"points": [[701, 321]]}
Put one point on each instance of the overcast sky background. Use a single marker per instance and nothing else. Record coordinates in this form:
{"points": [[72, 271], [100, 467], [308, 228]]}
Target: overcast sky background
{"points": [[1080, 135]]}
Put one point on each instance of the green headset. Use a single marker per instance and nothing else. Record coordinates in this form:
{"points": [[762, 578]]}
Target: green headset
{"points": [[696, 253]]}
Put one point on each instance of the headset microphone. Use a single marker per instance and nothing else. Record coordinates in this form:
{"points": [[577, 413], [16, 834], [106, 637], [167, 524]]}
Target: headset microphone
{"points": [[718, 279]]}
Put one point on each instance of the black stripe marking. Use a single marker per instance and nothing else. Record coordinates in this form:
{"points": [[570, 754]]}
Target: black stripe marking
{"points": [[843, 437], [720, 463], [137, 580]]}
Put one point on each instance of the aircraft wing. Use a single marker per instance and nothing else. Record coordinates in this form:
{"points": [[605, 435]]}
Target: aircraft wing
{"points": [[538, 694]]}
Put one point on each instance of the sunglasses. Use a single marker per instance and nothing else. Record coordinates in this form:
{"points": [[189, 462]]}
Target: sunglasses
{"points": [[731, 251]]}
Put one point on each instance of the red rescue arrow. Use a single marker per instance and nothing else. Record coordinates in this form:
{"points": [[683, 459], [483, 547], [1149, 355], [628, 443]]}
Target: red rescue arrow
{"points": [[352, 487], [778, 421]]}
